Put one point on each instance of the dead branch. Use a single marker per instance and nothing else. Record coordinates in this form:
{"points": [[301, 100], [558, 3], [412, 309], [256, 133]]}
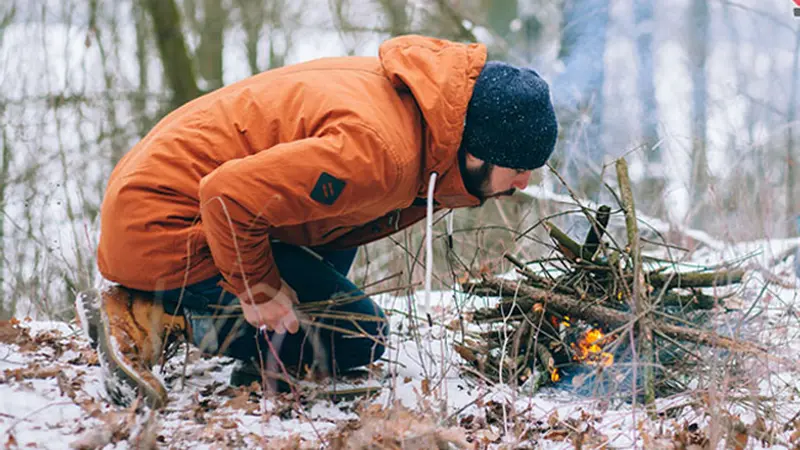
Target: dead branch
{"points": [[640, 301], [696, 280], [528, 296]]}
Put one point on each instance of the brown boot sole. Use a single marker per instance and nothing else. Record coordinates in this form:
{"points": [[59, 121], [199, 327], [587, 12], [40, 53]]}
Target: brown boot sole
{"points": [[123, 382], [86, 313]]}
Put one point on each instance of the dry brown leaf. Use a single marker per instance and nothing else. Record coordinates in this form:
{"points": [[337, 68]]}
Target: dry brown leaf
{"points": [[12, 332], [556, 435], [426, 387], [32, 371], [452, 436], [740, 440], [65, 386], [454, 325], [228, 424], [242, 402], [86, 356], [94, 438], [553, 419], [11, 442], [795, 436], [465, 352]]}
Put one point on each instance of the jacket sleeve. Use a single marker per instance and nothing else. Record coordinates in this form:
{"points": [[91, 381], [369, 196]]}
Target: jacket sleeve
{"points": [[288, 184]]}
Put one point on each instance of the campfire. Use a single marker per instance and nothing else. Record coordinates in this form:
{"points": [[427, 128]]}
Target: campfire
{"points": [[603, 315], [589, 351]]}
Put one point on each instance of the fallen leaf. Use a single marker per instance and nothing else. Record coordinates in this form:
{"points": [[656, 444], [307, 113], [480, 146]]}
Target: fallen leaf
{"points": [[242, 402], [465, 352], [454, 325], [97, 437], [426, 387], [11, 442], [32, 371], [556, 435], [228, 424], [65, 385], [553, 419]]}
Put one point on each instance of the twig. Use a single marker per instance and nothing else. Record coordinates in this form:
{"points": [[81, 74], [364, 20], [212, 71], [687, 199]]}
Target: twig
{"points": [[596, 232], [640, 300], [526, 271], [565, 304], [33, 413], [698, 279], [568, 247]]}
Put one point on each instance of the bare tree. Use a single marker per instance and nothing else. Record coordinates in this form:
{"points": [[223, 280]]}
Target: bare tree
{"points": [[117, 144], [4, 174], [139, 104], [178, 66], [449, 22], [397, 15], [252, 16], [791, 176], [500, 14], [5, 146], [209, 23], [655, 180], [698, 53]]}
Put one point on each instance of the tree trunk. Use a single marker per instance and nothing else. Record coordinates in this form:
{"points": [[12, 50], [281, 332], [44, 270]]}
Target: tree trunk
{"points": [[578, 91], [4, 170], [698, 53], [118, 145], [178, 69], [791, 207], [397, 14], [212, 36], [274, 17], [143, 123], [5, 166], [252, 13], [653, 189], [500, 14]]}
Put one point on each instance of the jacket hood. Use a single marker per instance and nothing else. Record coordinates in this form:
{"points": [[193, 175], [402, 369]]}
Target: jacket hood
{"points": [[440, 75]]}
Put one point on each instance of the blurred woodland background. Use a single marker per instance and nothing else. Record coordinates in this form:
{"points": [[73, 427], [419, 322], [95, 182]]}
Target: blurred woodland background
{"points": [[700, 96]]}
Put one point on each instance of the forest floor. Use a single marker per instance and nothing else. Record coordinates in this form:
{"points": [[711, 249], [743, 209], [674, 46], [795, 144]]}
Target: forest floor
{"points": [[53, 398]]}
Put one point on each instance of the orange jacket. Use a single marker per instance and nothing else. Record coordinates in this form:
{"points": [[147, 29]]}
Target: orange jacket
{"points": [[330, 152]]}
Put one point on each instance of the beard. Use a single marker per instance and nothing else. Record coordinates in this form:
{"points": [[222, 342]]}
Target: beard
{"points": [[477, 180]]}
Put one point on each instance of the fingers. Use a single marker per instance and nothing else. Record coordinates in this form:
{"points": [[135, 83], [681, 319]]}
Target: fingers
{"points": [[290, 322], [276, 314], [290, 293]]}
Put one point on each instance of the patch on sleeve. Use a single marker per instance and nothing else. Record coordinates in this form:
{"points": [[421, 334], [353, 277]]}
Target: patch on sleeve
{"points": [[327, 189]]}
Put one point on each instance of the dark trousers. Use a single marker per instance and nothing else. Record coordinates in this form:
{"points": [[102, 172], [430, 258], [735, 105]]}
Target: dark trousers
{"points": [[326, 342]]}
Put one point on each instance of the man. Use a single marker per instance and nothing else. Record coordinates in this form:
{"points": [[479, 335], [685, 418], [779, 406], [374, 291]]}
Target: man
{"points": [[251, 200]]}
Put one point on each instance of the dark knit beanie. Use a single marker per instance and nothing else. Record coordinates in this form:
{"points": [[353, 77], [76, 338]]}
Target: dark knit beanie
{"points": [[510, 119]]}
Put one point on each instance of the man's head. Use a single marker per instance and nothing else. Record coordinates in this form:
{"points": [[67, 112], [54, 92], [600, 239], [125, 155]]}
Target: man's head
{"points": [[510, 130]]}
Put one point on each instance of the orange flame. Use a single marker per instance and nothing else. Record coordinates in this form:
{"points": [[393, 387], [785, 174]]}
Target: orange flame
{"points": [[588, 349]]}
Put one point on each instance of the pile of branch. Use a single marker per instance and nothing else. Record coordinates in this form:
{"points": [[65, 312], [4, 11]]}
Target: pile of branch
{"points": [[602, 313]]}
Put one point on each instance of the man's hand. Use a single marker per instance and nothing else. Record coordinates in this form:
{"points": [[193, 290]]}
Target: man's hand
{"points": [[276, 314]]}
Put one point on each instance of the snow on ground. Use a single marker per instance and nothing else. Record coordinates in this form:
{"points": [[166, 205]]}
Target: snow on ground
{"points": [[52, 393]]}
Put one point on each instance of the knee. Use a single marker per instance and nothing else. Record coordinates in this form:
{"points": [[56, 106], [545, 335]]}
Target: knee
{"points": [[378, 331], [371, 346]]}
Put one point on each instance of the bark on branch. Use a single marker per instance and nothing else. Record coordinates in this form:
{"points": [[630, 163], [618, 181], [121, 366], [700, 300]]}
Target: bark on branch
{"points": [[640, 301], [527, 296]]}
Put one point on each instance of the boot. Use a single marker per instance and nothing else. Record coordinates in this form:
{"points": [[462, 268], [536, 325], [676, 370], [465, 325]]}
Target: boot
{"points": [[130, 332]]}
